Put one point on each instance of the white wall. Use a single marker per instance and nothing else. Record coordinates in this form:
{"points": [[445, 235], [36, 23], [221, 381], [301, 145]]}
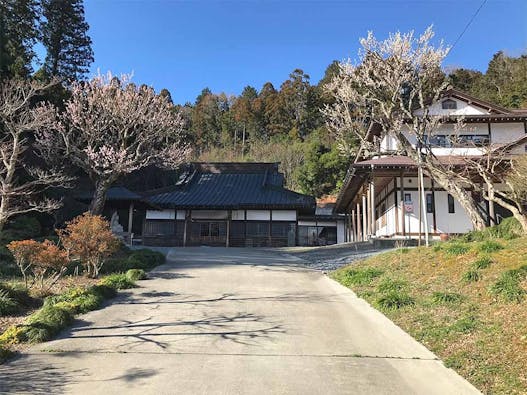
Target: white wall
{"points": [[160, 214], [506, 132], [463, 108], [258, 215], [209, 214], [238, 215], [284, 215], [341, 230]]}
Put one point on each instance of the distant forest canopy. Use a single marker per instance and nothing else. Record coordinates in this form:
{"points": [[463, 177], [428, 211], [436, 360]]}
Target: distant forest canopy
{"points": [[286, 124], [283, 124]]}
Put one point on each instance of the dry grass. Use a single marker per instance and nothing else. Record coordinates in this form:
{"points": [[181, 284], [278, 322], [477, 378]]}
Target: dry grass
{"points": [[479, 334]]}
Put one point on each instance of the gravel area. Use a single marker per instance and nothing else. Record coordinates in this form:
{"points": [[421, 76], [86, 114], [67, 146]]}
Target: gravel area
{"points": [[330, 258]]}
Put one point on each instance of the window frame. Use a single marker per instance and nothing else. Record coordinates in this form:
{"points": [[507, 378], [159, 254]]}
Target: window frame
{"points": [[451, 204]]}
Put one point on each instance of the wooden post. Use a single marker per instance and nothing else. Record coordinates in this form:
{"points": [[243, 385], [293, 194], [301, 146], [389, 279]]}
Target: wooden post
{"points": [[364, 218], [358, 219], [372, 197], [130, 220], [352, 228], [229, 217], [185, 228], [403, 211]]}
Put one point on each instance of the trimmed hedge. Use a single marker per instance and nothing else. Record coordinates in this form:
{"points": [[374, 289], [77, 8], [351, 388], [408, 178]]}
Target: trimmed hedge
{"points": [[144, 259], [59, 310], [136, 274]]}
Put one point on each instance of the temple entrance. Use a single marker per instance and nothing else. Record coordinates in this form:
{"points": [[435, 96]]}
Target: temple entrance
{"points": [[208, 233]]}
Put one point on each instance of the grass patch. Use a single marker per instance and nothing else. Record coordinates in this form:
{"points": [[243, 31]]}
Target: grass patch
{"points": [[455, 249], [390, 285], [118, 281], [361, 276], [471, 276], [394, 300], [508, 287], [464, 325], [446, 297], [144, 259], [136, 274], [489, 246], [482, 263]]}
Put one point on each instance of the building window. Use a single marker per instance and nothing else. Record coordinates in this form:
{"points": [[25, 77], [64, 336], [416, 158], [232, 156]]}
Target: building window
{"points": [[449, 104], [407, 197], [451, 208], [429, 203]]}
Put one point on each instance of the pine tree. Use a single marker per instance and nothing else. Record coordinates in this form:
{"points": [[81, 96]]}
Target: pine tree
{"points": [[65, 36], [18, 35]]}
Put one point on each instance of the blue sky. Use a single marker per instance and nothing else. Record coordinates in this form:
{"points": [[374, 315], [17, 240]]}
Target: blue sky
{"points": [[185, 46]]}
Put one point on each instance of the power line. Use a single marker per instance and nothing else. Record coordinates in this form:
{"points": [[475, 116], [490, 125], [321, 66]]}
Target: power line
{"points": [[467, 25]]}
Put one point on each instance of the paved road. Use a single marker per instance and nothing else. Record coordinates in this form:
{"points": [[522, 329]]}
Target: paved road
{"points": [[233, 321]]}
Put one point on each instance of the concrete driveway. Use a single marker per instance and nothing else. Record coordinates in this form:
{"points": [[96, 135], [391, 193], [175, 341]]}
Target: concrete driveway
{"points": [[233, 321]]}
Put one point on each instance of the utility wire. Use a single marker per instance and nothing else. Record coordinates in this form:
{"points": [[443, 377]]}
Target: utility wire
{"points": [[467, 26]]}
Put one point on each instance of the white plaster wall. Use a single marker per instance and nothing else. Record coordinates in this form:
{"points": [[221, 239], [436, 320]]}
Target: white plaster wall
{"points": [[284, 215], [160, 214], [457, 222], [258, 215], [463, 108], [209, 214], [341, 230], [180, 214], [238, 215], [506, 132]]}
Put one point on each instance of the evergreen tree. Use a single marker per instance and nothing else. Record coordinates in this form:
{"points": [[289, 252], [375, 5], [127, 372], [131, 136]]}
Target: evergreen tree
{"points": [[65, 36], [18, 34]]}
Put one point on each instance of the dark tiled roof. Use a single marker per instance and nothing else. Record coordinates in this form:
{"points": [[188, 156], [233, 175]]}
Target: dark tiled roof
{"points": [[232, 186]]}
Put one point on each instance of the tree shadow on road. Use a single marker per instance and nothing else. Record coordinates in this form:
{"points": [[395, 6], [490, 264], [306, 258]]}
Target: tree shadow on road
{"points": [[242, 328], [22, 376]]}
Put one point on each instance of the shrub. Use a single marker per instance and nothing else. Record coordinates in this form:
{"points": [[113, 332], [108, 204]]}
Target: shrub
{"points": [[446, 297], [489, 246], [8, 305], [13, 335], [43, 260], [19, 293], [21, 228], [103, 291], [76, 300], [90, 239], [140, 259], [136, 274], [471, 276], [118, 281], [389, 285], [147, 259], [46, 323], [508, 285], [395, 300], [482, 263], [508, 229], [454, 249], [361, 276]]}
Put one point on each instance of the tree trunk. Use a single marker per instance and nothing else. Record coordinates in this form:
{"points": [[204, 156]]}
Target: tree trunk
{"points": [[461, 195], [99, 197]]}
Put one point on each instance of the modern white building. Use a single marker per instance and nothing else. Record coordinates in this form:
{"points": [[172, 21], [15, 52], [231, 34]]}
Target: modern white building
{"points": [[380, 195]]}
